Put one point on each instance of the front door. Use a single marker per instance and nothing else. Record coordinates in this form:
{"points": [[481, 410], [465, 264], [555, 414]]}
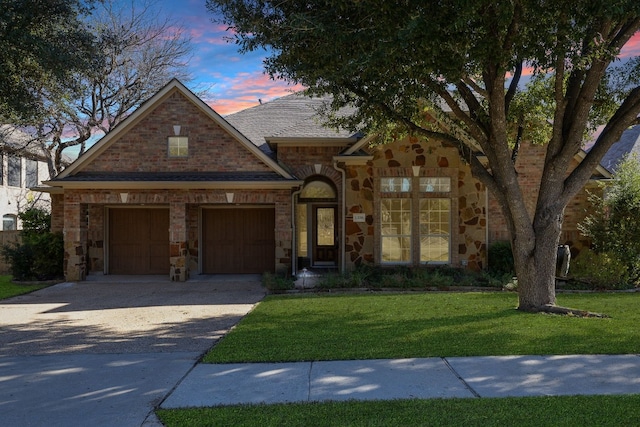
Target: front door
{"points": [[325, 242]]}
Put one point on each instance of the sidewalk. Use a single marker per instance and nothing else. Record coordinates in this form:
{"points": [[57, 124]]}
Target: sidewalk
{"points": [[492, 376]]}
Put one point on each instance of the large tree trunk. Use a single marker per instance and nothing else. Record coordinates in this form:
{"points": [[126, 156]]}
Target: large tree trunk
{"points": [[535, 270]]}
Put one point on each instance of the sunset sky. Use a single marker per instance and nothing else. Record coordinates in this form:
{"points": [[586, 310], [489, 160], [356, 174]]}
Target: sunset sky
{"points": [[237, 81]]}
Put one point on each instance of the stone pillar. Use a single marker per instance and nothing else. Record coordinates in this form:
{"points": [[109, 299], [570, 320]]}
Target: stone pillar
{"points": [[283, 233], [178, 246], [75, 240]]}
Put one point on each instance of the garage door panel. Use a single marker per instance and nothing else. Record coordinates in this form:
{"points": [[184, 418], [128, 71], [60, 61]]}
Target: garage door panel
{"points": [[238, 240], [139, 241]]}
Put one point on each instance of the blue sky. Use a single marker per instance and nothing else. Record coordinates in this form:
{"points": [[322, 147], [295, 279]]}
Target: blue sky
{"points": [[235, 81]]}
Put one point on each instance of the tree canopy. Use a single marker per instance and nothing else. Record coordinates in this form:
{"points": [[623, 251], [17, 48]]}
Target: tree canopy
{"points": [[42, 45], [453, 70]]}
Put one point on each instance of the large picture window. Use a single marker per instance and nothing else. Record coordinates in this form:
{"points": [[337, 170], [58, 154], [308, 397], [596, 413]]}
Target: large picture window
{"points": [[415, 220], [31, 173]]}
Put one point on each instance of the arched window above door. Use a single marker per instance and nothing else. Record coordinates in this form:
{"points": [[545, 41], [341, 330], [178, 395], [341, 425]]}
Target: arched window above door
{"points": [[318, 189]]}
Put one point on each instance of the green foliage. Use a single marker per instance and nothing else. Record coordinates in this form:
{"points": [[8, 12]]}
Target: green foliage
{"points": [[43, 43], [275, 282], [40, 254], [602, 270], [613, 222], [501, 258]]}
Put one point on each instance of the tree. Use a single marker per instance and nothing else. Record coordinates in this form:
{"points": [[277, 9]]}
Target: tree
{"points": [[451, 70], [42, 44], [137, 53], [613, 222]]}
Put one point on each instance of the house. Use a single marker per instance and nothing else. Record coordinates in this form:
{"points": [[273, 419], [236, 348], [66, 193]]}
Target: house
{"points": [[22, 168], [177, 189]]}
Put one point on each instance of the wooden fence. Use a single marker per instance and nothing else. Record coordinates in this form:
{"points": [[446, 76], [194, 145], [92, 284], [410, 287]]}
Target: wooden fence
{"points": [[7, 237]]}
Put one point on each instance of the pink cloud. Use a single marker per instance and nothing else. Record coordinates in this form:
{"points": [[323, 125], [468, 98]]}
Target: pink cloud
{"points": [[244, 90], [632, 48]]}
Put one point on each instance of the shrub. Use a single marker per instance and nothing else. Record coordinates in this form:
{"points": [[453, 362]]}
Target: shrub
{"points": [[501, 259], [41, 253], [612, 223], [602, 270], [274, 282]]}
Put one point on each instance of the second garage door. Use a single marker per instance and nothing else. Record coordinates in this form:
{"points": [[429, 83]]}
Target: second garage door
{"points": [[139, 241], [238, 241]]}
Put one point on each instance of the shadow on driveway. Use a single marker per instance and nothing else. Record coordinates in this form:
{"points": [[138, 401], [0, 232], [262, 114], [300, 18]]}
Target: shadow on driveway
{"points": [[126, 315]]}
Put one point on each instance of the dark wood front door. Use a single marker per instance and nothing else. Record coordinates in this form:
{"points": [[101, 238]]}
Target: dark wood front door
{"points": [[238, 241], [139, 241], [325, 244]]}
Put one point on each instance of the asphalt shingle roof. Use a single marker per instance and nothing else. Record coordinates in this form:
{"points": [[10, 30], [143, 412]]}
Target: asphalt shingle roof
{"points": [[628, 144], [293, 115]]}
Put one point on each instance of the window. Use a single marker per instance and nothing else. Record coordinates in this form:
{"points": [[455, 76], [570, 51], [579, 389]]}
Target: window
{"points": [[435, 185], [178, 146], [9, 222], [31, 173], [14, 173], [395, 225], [318, 189], [435, 228], [395, 185], [415, 226], [301, 221]]}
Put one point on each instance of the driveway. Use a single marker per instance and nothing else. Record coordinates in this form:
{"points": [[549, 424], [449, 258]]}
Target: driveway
{"points": [[104, 352]]}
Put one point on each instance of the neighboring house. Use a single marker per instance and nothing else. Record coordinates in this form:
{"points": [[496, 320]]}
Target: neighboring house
{"points": [[178, 189], [22, 167]]}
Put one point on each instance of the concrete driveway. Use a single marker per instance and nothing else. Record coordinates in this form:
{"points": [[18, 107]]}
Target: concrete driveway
{"points": [[104, 352]]}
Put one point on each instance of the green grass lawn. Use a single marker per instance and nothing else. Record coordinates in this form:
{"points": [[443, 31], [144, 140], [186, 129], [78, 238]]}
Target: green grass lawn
{"points": [[381, 326], [8, 289], [366, 326], [521, 412]]}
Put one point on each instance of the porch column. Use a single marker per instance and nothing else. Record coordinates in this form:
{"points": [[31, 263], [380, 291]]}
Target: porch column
{"points": [[178, 246], [283, 233], [75, 241]]}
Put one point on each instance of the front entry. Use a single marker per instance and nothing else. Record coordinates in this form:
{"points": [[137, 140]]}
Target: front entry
{"points": [[325, 248]]}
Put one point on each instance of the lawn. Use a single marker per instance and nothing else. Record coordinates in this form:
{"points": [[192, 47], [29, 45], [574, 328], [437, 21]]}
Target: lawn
{"points": [[8, 289], [521, 412], [380, 326]]}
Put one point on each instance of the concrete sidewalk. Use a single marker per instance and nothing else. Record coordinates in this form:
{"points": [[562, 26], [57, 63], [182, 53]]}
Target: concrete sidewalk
{"points": [[493, 376]]}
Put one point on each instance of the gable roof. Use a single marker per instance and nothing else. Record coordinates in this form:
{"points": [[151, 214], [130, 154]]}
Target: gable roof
{"points": [[146, 108], [629, 144], [294, 116]]}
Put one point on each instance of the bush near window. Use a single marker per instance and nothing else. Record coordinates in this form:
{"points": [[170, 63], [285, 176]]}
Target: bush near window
{"points": [[501, 259], [40, 254]]}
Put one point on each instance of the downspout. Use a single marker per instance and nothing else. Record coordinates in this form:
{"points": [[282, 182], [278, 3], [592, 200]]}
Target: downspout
{"points": [[342, 217], [294, 243]]}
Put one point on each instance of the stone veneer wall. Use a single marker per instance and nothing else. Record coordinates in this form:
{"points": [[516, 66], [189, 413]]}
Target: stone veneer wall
{"points": [[468, 199], [529, 164]]}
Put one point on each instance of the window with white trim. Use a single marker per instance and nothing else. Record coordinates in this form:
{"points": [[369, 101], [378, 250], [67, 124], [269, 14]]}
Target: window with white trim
{"points": [[395, 226], [435, 234]]}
